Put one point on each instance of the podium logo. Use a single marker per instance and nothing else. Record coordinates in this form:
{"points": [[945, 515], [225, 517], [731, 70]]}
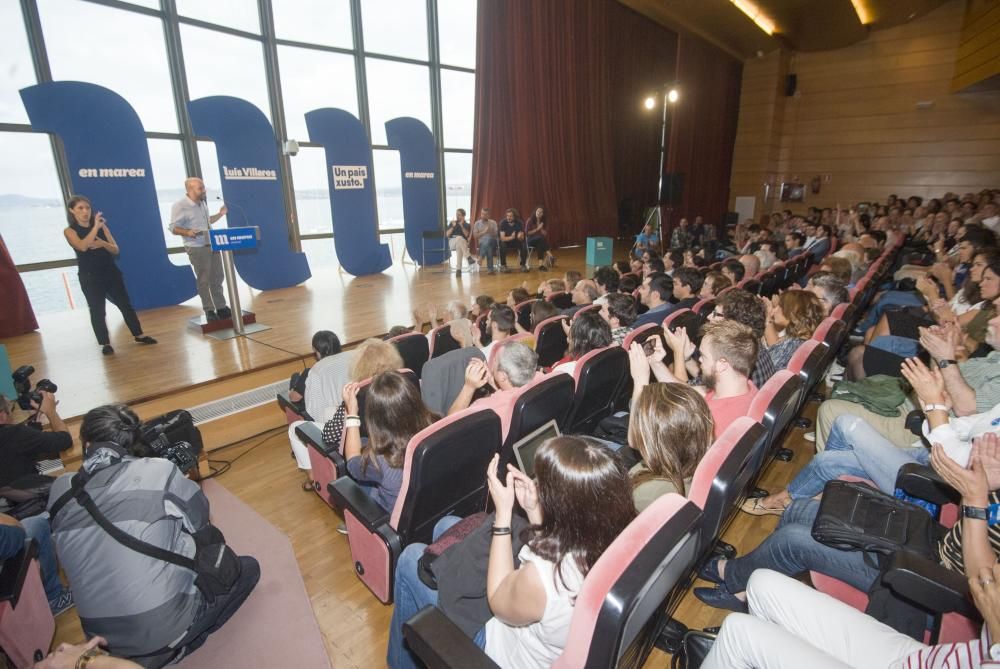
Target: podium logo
{"points": [[221, 239], [349, 177], [112, 172], [419, 175], [248, 174]]}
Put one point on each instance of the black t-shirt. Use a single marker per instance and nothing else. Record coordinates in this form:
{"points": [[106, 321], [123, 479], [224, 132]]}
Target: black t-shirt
{"points": [[21, 447], [511, 228], [93, 261], [460, 230]]}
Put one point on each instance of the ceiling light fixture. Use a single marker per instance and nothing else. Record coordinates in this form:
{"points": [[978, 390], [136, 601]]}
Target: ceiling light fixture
{"points": [[862, 12], [753, 12]]}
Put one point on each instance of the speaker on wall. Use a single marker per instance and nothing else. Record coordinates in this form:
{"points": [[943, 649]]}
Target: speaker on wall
{"points": [[791, 84]]}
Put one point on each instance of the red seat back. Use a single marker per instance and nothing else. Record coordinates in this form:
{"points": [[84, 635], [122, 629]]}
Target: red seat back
{"points": [[547, 398], [26, 623], [550, 341], [441, 341], [599, 376], [629, 590], [414, 348]]}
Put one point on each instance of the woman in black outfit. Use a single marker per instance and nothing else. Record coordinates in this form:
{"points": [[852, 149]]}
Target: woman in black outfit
{"points": [[100, 277], [536, 230]]}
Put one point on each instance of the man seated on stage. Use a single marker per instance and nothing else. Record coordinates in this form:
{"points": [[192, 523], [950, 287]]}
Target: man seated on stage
{"points": [[500, 325], [21, 446], [149, 610], [486, 234], [514, 366], [655, 292], [189, 218], [512, 239]]}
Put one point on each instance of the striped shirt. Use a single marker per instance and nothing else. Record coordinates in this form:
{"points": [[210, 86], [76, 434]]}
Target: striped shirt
{"points": [[950, 548], [962, 655], [983, 376]]}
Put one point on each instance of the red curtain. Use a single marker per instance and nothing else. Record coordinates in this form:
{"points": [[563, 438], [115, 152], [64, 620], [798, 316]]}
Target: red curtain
{"points": [[560, 121], [16, 317], [703, 128], [542, 133]]}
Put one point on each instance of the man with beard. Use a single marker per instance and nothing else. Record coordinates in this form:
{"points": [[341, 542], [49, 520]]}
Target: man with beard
{"points": [[189, 218]]}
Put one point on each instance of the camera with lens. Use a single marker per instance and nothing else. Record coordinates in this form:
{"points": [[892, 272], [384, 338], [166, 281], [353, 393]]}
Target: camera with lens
{"points": [[173, 436], [22, 385]]}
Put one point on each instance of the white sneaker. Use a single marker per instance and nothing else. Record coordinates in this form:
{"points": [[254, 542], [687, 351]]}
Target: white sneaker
{"points": [[810, 436]]}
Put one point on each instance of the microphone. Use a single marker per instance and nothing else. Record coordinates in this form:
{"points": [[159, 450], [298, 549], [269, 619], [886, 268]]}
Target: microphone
{"points": [[228, 203]]}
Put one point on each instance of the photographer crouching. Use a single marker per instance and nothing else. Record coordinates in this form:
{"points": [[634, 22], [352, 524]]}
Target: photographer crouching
{"points": [[22, 445], [149, 573]]}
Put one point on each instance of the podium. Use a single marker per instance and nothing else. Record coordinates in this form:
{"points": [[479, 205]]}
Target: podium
{"points": [[225, 241]]}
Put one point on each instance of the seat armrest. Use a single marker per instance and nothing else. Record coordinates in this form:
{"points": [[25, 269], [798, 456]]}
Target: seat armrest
{"points": [[347, 494], [440, 643], [930, 585], [284, 401], [915, 422], [310, 433], [13, 572], [922, 482]]}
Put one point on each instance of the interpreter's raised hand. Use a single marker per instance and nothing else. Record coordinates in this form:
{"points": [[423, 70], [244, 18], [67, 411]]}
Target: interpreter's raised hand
{"points": [[928, 383], [477, 374], [502, 493], [971, 483], [638, 365], [100, 221], [351, 397]]}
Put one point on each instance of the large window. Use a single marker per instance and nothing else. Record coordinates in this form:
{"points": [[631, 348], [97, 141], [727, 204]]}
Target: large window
{"points": [[124, 46], [326, 22], [123, 51], [15, 64], [395, 27], [312, 79], [395, 90]]}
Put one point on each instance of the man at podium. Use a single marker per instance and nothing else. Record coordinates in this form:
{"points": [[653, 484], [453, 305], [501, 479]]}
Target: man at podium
{"points": [[189, 218]]}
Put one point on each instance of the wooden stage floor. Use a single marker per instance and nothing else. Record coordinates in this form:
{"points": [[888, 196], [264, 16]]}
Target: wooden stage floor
{"points": [[64, 349]]}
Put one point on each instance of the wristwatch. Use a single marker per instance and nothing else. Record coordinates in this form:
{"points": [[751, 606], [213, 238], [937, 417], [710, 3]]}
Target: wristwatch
{"points": [[975, 512], [944, 363]]}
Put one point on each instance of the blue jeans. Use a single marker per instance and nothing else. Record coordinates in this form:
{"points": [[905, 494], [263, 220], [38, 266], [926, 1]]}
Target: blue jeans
{"points": [[893, 298], [488, 247], [791, 550], [410, 595], [855, 448], [37, 528]]}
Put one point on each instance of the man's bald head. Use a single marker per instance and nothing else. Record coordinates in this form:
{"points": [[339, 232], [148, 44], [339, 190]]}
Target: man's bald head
{"points": [[195, 188]]}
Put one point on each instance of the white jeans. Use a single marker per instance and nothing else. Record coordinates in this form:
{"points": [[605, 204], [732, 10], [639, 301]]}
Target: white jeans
{"points": [[300, 450], [792, 626], [460, 245]]}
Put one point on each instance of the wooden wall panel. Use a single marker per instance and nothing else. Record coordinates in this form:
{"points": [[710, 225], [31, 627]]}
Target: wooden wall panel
{"points": [[854, 119], [978, 60]]}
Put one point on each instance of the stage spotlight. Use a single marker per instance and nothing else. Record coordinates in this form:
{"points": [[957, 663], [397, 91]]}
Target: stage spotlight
{"points": [[650, 102], [672, 95]]}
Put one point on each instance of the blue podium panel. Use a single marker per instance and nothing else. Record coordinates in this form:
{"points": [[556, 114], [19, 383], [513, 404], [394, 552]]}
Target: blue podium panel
{"points": [[234, 239], [600, 251]]}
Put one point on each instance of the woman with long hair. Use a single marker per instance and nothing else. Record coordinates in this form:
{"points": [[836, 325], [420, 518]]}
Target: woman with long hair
{"points": [[672, 428], [536, 230], [532, 605], [588, 332], [792, 318], [100, 278], [394, 412]]}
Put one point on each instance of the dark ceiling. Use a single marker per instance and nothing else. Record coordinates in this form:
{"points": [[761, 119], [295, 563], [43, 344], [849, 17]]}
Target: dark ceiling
{"points": [[800, 25]]}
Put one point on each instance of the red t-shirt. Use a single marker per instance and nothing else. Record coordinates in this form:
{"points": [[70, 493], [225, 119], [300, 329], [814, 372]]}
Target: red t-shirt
{"points": [[726, 410]]}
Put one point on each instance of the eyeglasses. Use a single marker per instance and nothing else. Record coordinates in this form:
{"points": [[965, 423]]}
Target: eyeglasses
{"points": [[716, 314]]}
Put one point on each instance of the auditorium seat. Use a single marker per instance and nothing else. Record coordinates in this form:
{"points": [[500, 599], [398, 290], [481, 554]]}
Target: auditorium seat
{"points": [[844, 312], [775, 406], [328, 464], [833, 333], [443, 474], [523, 311], [704, 308], [770, 282], [561, 299], [586, 308], [547, 398], [750, 284], [687, 319], [440, 341], [808, 362], [414, 349], [599, 377], [26, 623], [550, 341], [641, 334], [943, 593], [293, 410], [721, 480], [622, 604]]}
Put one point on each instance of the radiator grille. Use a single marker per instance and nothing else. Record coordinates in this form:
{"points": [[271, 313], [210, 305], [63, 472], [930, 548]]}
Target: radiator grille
{"points": [[227, 406]]}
